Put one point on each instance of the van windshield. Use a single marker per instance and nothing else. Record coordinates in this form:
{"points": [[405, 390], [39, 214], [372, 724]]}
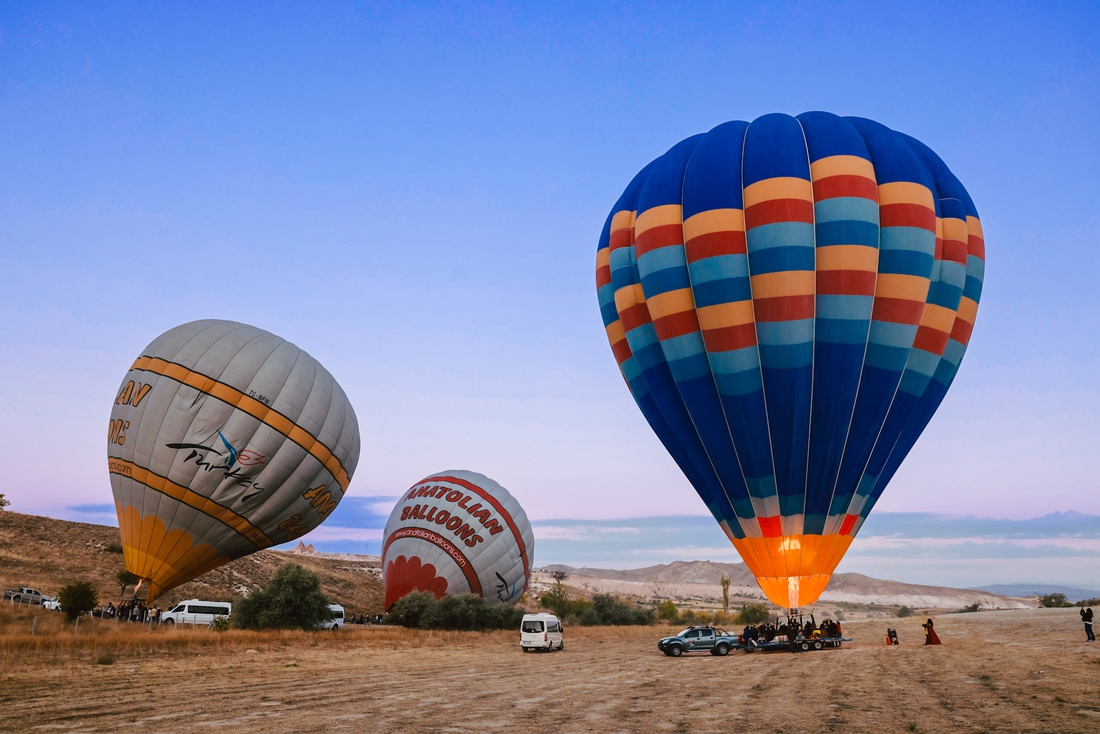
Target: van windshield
{"points": [[532, 626]]}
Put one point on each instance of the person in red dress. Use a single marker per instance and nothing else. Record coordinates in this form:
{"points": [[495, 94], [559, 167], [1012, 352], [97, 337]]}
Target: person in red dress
{"points": [[930, 636]]}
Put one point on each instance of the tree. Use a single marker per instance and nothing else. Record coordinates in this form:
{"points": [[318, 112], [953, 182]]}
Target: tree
{"points": [[1053, 600], [905, 611], [725, 581], [667, 611], [77, 598], [124, 578], [292, 599], [558, 576], [3, 502], [611, 610], [753, 614]]}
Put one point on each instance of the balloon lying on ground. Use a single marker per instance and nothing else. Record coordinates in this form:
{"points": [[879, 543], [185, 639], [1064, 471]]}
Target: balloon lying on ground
{"points": [[224, 439], [789, 301], [457, 532]]}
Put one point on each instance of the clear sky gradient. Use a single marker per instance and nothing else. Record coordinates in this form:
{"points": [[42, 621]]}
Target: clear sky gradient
{"points": [[413, 194]]}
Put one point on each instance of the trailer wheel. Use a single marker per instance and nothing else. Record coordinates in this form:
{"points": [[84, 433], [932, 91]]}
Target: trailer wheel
{"points": [[818, 644], [804, 646]]}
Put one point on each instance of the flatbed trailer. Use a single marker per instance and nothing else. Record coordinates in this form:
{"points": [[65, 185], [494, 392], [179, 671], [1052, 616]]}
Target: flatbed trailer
{"points": [[801, 644]]}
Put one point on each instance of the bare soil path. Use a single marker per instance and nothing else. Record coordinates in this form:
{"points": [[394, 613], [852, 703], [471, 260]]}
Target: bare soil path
{"points": [[1011, 671]]}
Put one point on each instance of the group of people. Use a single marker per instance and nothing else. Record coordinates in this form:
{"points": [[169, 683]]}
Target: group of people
{"points": [[133, 610], [791, 630], [365, 619]]}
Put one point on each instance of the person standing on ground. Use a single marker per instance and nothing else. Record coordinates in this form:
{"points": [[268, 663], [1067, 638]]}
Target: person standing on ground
{"points": [[930, 636], [1086, 617]]}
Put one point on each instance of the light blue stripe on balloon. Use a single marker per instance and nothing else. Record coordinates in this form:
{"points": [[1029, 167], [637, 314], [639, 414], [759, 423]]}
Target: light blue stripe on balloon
{"points": [[641, 337], [892, 335], [719, 268], [662, 258], [844, 307], [649, 357], [846, 208], [630, 369], [735, 360], [914, 383], [954, 352], [907, 238], [784, 332], [685, 345], [621, 258], [923, 362], [780, 234], [689, 368]]}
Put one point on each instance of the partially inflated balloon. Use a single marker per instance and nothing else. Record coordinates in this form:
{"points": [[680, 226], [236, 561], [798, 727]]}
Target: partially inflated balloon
{"points": [[224, 439], [789, 301], [457, 532]]}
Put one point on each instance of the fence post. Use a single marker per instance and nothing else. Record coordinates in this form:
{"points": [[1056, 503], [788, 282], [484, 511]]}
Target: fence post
{"points": [[116, 621], [34, 626], [76, 627]]}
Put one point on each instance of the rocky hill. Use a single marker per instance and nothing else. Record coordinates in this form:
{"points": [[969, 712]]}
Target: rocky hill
{"points": [[699, 580], [45, 554]]}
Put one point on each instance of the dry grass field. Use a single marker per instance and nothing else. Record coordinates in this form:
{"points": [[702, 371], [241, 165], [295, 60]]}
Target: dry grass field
{"points": [[1010, 671]]}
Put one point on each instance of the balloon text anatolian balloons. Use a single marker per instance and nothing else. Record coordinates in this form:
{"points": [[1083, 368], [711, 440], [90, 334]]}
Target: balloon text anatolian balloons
{"points": [[789, 301]]}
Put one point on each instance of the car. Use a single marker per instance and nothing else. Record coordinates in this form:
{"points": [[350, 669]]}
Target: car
{"points": [[698, 639], [541, 631], [53, 604], [24, 595], [336, 621], [196, 611]]}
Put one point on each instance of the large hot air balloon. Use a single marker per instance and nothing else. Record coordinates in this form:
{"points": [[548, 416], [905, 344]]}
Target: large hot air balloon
{"points": [[788, 301], [224, 439], [457, 532]]}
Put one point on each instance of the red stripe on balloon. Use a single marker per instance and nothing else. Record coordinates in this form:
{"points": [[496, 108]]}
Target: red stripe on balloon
{"points": [[834, 187], [779, 210], [634, 316], [897, 311], [931, 340], [907, 215], [714, 244], [653, 238], [845, 283], [677, 324], [730, 337], [784, 308]]}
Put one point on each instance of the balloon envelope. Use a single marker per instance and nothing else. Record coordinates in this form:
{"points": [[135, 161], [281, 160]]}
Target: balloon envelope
{"points": [[457, 532], [224, 439], [789, 301]]}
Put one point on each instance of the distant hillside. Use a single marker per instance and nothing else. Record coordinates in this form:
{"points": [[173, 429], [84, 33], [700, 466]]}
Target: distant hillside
{"points": [[696, 579], [1072, 593], [45, 554]]}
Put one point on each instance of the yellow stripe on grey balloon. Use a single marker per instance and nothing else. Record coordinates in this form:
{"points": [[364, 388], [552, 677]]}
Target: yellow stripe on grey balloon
{"points": [[190, 498], [249, 405]]}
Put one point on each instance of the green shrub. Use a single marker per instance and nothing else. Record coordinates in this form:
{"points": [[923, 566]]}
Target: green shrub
{"points": [[1053, 600], [968, 609], [905, 612], [292, 599], [558, 601], [753, 614], [420, 609], [607, 609], [667, 611], [113, 548], [124, 579], [1088, 603], [77, 598], [4, 502]]}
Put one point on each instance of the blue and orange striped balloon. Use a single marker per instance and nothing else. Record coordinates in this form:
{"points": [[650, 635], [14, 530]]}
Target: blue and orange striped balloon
{"points": [[789, 301]]}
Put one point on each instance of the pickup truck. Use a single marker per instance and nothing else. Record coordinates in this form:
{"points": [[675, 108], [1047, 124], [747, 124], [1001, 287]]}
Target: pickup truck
{"points": [[23, 595], [698, 639]]}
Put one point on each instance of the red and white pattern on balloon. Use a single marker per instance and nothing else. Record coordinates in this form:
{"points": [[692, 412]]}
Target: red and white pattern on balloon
{"points": [[406, 575]]}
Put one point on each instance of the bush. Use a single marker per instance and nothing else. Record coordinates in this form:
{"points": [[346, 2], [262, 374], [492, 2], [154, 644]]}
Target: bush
{"points": [[905, 612], [1053, 600], [968, 609], [76, 599], [667, 611], [114, 548], [753, 614], [4, 502], [420, 609], [1088, 603], [292, 599], [558, 601], [611, 610]]}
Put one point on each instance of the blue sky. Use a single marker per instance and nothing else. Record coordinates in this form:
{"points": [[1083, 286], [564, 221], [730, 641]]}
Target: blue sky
{"points": [[413, 194]]}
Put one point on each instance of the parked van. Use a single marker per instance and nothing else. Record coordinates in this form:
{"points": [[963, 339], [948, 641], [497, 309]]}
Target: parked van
{"points": [[541, 632], [196, 611], [337, 620]]}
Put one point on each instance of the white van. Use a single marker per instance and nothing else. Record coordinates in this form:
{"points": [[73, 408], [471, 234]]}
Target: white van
{"points": [[337, 620], [541, 632], [196, 611]]}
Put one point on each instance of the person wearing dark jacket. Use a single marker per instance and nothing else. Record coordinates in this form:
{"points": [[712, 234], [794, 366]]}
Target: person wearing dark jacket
{"points": [[1086, 617]]}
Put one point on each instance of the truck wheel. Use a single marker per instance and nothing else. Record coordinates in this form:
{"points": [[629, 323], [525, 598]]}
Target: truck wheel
{"points": [[722, 649], [527, 649], [169, 621], [818, 645], [676, 651], [561, 644]]}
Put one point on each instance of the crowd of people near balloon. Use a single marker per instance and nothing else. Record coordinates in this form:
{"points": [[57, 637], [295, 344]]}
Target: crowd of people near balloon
{"points": [[792, 630], [131, 610]]}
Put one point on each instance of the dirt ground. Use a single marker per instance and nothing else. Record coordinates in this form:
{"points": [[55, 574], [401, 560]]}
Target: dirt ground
{"points": [[1007, 671]]}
